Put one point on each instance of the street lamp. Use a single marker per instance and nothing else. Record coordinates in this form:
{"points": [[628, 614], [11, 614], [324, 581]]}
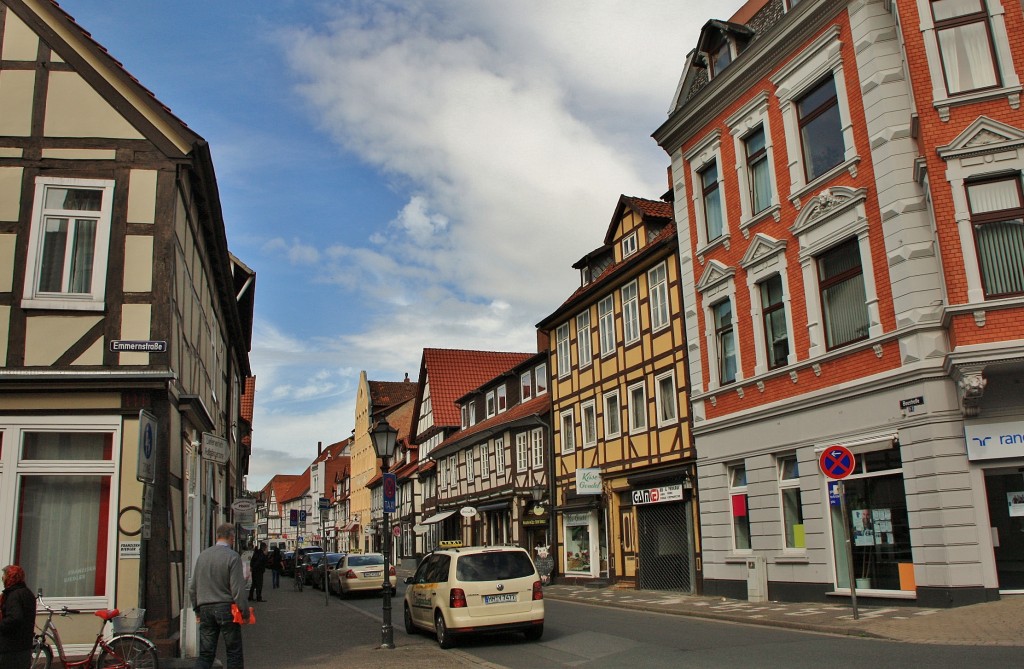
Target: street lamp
{"points": [[384, 438]]}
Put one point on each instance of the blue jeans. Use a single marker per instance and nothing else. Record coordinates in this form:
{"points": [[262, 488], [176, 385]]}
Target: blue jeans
{"points": [[275, 578], [214, 620]]}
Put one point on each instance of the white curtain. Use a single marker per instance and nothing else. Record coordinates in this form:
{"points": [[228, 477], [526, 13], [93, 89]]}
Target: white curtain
{"points": [[967, 57]]}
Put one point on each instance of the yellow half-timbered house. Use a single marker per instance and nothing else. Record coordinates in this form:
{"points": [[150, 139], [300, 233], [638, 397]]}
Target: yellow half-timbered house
{"points": [[125, 326], [624, 462]]}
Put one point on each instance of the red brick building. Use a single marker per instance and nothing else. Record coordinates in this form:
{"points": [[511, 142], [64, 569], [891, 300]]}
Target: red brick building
{"points": [[847, 182]]}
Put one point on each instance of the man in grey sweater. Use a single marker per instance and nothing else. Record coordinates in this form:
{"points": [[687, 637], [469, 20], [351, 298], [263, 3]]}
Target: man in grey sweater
{"points": [[217, 583]]}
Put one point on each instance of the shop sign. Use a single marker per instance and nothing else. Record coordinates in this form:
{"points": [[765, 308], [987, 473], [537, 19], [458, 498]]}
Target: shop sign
{"points": [[215, 448], [665, 493], [991, 438], [130, 550], [575, 519], [588, 481]]}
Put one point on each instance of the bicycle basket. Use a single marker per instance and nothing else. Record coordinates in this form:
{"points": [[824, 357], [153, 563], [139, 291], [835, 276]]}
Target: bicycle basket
{"points": [[129, 621]]}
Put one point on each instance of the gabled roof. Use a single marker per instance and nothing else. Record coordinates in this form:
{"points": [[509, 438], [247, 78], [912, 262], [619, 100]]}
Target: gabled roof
{"points": [[454, 372], [249, 398], [385, 394], [642, 206], [532, 408]]}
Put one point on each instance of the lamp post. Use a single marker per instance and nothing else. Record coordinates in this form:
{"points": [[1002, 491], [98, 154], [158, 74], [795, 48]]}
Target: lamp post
{"points": [[384, 439]]}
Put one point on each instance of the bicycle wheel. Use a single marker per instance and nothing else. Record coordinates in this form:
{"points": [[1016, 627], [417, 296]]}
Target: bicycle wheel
{"points": [[128, 650], [42, 656]]}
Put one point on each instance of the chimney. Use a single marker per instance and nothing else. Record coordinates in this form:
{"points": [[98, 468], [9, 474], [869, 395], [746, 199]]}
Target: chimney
{"points": [[407, 377], [319, 448]]}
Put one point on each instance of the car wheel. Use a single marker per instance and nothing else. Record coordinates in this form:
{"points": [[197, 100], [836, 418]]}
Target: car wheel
{"points": [[534, 633], [444, 637], [409, 627]]}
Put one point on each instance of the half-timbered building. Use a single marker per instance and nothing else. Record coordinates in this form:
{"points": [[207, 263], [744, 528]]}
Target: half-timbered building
{"points": [[623, 462]]}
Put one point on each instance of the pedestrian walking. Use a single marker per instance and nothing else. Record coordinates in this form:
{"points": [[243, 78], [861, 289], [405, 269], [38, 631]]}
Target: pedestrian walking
{"points": [[217, 583], [17, 620], [258, 565], [275, 562]]}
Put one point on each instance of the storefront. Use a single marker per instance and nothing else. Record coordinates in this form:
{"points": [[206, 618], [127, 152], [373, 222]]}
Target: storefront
{"points": [[584, 544], [663, 538]]}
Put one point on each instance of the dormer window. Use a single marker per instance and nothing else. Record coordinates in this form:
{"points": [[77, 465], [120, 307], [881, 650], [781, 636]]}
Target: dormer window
{"points": [[629, 245], [720, 58]]}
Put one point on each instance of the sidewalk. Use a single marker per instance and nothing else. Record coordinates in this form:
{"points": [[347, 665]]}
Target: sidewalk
{"points": [[998, 623]]}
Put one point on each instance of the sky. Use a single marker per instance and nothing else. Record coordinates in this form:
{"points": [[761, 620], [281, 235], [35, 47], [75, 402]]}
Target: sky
{"points": [[405, 174]]}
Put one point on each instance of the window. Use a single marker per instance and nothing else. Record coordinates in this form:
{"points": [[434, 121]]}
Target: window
{"points": [[965, 45], [525, 386], [712, 202], [490, 403], [522, 452], [657, 281], [637, 408], [502, 398], [485, 460], [997, 217], [725, 342], [720, 56], [541, 377], [588, 415], [843, 299], [792, 510], [774, 314], [464, 410], [665, 399], [470, 467], [562, 339], [759, 179], [583, 351], [612, 415], [537, 447], [606, 324], [821, 129], [499, 455], [630, 313], [472, 413], [68, 242], [738, 507], [453, 471], [629, 245], [568, 432]]}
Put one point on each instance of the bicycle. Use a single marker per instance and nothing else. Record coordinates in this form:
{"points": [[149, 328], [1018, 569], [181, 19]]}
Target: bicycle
{"points": [[125, 649], [300, 576]]}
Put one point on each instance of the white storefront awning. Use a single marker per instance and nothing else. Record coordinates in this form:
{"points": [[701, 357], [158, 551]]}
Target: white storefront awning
{"points": [[421, 527]]}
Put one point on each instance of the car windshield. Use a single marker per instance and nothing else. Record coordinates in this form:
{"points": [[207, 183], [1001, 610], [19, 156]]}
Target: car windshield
{"points": [[495, 566], [365, 560], [334, 558]]}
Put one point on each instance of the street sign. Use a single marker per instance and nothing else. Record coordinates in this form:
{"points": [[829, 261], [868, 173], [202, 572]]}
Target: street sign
{"points": [[396, 530], [293, 517], [243, 504], [145, 470], [837, 462], [390, 487], [325, 503], [833, 494], [215, 448]]}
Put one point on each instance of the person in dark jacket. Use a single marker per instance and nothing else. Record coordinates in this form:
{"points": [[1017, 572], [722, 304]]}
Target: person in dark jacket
{"points": [[17, 620], [276, 563], [258, 564]]}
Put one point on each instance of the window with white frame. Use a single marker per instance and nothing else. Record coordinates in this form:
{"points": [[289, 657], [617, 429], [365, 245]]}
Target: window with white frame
{"points": [[997, 218], [502, 395], [773, 316], [470, 465], [464, 411], [562, 350], [630, 313], [612, 415], [710, 210], [442, 473], [583, 350], [637, 408], [792, 509], [525, 386], [490, 403], [499, 456], [472, 413], [752, 142], [738, 505], [759, 179], [629, 245], [568, 432], [537, 447], [665, 399], [725, 341], [712, 199], [966, 48], [606, 324], [485, 460], [843, 297], [453, 471], [522, 452], [657, 282], [69, 239], [541, 378], [588, 417], [821, 129], [59, 497]]}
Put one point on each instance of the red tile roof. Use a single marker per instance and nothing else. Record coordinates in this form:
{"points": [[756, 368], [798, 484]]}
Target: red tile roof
{"points": [[537, 406], [249, 398], [384, 394], [454, 372], [646, 208]]}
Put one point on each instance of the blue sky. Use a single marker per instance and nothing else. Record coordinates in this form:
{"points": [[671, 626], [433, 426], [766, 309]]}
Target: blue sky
{"points": [[405, 174]]}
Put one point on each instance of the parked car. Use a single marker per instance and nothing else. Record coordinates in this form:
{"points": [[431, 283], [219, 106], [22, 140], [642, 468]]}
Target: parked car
{"points": [[318, 576], [288, 563], [479, 589], [309, 564], [360, 572]]}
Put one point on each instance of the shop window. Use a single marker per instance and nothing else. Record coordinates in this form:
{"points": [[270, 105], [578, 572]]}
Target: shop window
{"points": [[577, 542], [792, 509], [739, 508], [997, 217]]}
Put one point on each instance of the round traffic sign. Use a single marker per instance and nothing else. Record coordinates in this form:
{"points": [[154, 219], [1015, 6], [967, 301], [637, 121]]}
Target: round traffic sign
{"points": [[396, 530], [837, 462]]}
